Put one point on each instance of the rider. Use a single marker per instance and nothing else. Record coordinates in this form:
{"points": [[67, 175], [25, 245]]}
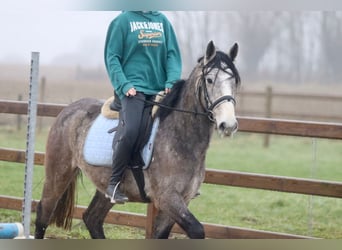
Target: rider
{"points": [[142, 58]]}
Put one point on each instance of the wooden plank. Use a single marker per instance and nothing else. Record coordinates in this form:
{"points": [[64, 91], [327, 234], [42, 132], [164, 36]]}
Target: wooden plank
{"points": [[215, 231], [229, 232], [20, 107], [14, 203], [290, 127], [49, 109], [231, 178], [126, 219], [116, 217], [13, 107], [137, 220], [292, 95], [315, 97], [307, 116], [246, 124], [275, 183], [113, 217], [151, 215], [17, 155]]}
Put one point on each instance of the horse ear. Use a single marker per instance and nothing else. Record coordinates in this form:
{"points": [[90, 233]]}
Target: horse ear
{"points": [[210, 53], [234, 51]]}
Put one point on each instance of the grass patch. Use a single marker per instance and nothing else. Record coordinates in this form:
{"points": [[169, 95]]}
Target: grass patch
{"points": [[265, 210]]}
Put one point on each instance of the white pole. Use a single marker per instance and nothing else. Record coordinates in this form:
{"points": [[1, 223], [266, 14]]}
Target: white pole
{"points": [[31, 125]]}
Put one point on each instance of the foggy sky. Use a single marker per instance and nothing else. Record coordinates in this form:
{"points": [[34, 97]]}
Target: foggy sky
{"points": [[52, 33], [43, 26]]}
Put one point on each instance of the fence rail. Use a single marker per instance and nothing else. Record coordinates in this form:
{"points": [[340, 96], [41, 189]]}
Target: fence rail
{"points": [[278, 104], [294, 95], [141, 221], [246, 124], [230, 178]]}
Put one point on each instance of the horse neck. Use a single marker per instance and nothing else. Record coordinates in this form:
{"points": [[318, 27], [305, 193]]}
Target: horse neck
{"points": [[196, 127], [190, 99]]}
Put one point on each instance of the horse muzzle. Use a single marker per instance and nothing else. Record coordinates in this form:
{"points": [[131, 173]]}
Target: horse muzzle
{"points": [[226, 122], [228, 129]]}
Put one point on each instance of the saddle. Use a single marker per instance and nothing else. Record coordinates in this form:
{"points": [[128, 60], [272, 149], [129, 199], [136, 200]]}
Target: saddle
{"points": [[98, 149]]}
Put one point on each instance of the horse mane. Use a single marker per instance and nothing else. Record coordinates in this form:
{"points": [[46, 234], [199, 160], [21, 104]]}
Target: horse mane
{"points": [[170, 100]]}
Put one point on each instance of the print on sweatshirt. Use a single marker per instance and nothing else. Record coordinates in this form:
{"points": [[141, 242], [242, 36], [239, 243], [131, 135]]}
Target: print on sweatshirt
{"points": [[149, 32]]}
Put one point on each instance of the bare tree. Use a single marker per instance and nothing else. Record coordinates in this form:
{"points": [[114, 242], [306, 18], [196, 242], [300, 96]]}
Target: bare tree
{"points": [[256, 31], [279, 46], [331, 46], [195, 29]]}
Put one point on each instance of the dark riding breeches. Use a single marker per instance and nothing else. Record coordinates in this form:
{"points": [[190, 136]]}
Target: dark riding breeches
{"points": [[132, 120]]}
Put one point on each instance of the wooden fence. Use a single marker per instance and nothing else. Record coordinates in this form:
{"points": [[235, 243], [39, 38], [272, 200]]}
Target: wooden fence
{"points": [[229, 178], [267, 103], [277, 104]]}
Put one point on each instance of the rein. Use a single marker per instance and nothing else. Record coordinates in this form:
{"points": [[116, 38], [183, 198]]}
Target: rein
{"points": [[171, 108], [209, 104]]}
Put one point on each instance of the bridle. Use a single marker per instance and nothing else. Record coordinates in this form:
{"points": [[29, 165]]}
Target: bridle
{"points": [[209, 105]]}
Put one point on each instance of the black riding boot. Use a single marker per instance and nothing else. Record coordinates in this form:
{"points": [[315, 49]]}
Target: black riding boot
{"points": [[118, 168], [124, 142], [114, 194]]}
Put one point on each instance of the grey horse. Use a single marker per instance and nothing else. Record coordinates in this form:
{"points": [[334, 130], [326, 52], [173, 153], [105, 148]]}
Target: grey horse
{"points": [[196, 107]]}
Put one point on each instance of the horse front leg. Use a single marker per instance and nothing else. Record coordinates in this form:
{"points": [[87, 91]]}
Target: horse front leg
{"points": [[162, 225], [95, 215], [175, 207]]}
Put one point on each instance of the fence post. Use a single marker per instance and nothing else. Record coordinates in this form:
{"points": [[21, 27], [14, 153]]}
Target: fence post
{"points": [[150, 218], [19, 120], [41, 100], [268, 112]]}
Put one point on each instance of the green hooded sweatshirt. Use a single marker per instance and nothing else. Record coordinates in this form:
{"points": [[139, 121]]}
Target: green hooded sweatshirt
{"points": [[141, 51]]}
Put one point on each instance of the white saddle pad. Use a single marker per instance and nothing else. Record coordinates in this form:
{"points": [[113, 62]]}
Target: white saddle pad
{"points": [[98, 149]]}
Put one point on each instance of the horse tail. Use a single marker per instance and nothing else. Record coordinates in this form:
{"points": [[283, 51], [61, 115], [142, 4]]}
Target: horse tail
{"points": [[64, 211]]}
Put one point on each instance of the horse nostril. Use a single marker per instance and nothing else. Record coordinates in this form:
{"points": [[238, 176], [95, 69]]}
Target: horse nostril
{"points": [[223, 126], [236, 125], [228, 129]]}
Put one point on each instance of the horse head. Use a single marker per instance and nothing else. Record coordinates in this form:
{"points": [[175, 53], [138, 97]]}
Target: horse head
{"points": [[219, 82]]}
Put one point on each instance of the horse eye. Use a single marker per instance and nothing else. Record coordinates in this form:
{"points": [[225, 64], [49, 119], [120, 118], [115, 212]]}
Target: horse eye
{"points": [[209, 80]]}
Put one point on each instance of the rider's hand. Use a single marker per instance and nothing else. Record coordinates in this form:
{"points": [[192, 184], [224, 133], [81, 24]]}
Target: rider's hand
{"points": [[131, 92]]}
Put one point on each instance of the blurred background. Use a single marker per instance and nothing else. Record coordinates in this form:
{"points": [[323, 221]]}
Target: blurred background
{"points": [[293, 47], [289, 61], [290, 66]]}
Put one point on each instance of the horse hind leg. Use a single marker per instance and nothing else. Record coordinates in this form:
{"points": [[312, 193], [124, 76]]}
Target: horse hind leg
{"points": [[95, 215], [57, 202], [40, 223]]}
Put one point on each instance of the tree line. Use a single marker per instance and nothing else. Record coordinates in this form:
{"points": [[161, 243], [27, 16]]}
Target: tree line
{"points": [[291, 47]]}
